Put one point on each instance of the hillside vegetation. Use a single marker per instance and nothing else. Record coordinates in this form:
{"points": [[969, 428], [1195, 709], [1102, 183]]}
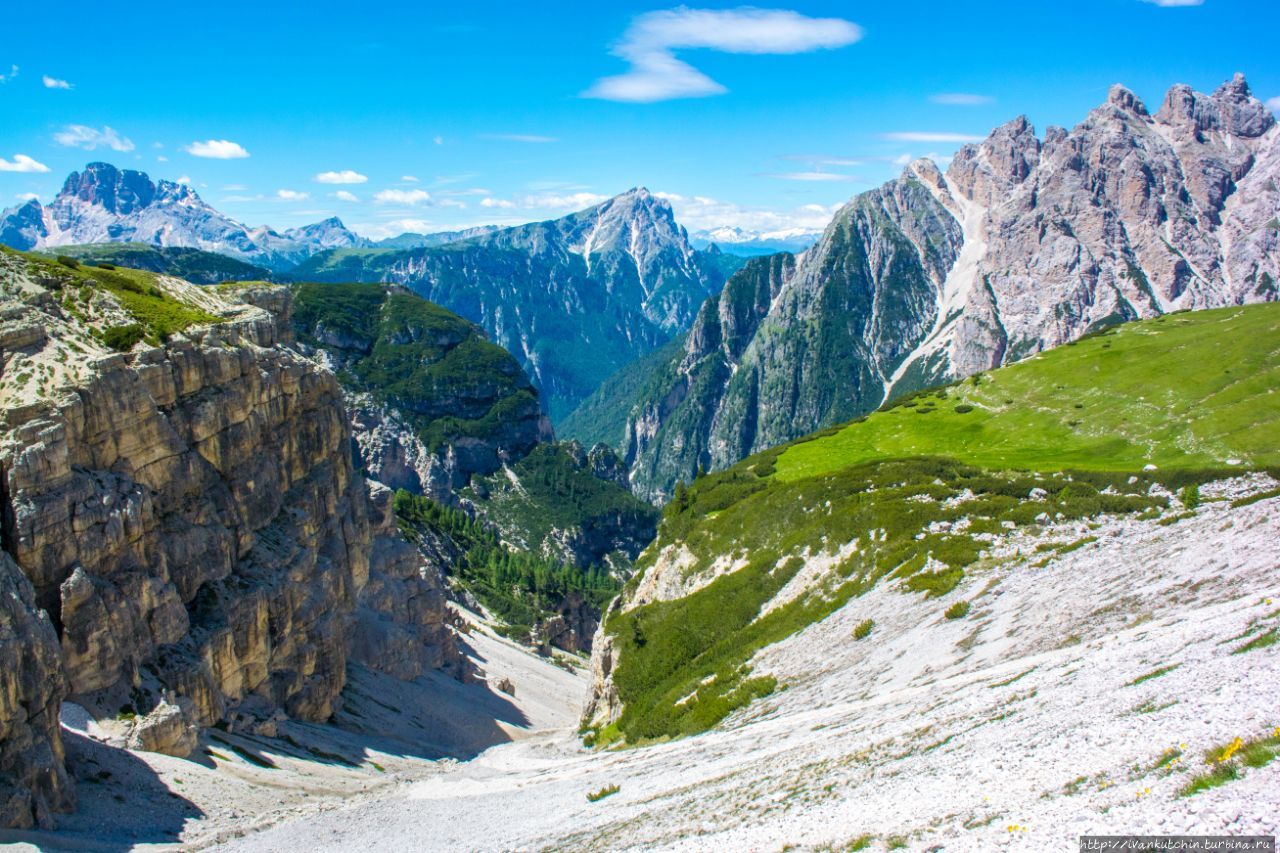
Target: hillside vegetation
{"points": [[921, 492], [193, 265]]}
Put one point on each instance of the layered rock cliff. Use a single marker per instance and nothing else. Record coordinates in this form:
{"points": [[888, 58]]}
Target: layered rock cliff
{"points": [[1024, 243], [187, 512]]}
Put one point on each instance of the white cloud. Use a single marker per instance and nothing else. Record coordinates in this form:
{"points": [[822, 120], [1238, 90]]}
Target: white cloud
{"points": [[343, 195], [519, 137], [346, 176], [817, 160], [656, 74], [573, 201], [409, 197], [185, 179], [700, 213], [409, 179], [13, 72], [235, 188], [930, 136], [217, 149], [89, 138], [811, 176], [961, 99], [1169, 4], [292, 195], [55, 83], [452, 202], [501, 203], [438, 140], [27, 196], [1274, 103], [162, 159], [21, 163]]}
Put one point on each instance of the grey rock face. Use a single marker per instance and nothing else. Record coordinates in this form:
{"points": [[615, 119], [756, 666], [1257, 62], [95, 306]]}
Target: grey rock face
{"points": [[33, 778], [1023, 244], [189, 518]]}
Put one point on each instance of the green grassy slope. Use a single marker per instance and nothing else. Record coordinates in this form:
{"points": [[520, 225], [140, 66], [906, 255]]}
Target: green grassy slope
{"points": [[436, 368], [193, 265], [1181, 391], [1066, 434]]}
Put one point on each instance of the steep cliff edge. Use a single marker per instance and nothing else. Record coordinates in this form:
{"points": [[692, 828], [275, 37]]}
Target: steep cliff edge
{"points": [[186, 508]]}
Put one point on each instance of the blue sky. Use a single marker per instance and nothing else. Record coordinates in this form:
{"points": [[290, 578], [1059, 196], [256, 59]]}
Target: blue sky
{"points": [[511, 112]]}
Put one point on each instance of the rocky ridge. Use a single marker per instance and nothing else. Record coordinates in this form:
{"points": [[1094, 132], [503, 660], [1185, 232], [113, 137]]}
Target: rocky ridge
{"points": [[188, 517]]}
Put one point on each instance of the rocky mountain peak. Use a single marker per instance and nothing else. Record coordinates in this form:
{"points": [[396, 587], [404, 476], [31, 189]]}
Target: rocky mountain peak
{"points": [[1231, 109], [114, 190], [1122, 99]]}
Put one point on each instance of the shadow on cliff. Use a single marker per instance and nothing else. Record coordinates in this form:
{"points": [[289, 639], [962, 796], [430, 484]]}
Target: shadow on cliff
{"points": [[121, 803], [432, 717]]}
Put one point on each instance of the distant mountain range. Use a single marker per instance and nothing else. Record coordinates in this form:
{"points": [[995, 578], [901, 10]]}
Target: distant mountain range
{"points": [[739, 241], [104, 204], [574, 299], [1021, 245]]}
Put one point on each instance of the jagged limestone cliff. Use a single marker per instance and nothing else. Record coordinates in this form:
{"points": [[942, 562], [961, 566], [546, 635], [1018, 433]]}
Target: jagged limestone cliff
{"points": [[187, 512], [1024, 243]]}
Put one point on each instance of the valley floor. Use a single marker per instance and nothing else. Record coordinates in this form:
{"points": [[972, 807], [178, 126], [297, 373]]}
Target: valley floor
{"points": [[1079, 695]]}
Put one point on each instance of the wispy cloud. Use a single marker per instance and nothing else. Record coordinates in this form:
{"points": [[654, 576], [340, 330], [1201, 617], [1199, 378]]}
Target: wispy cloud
{"points": [[930, 136], [961, 99], [409, 197], [572, 201], [499, 203], [343, 195], [701, 213], [817, 160], [520, 137], [292, 195], [438, 140], [346, 176], [13, 72], [1170, 4], [452, 202], [657, 75], [55, 83], [814, 176], [1274, 103], [409, 179], [217, 149], [21, 163], [185, 179], [27, 196], [90, 138]]}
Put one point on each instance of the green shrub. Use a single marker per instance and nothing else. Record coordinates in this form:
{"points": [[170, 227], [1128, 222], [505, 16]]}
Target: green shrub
{"points": [[68, 262], [959, 610], [1190, 496], [103, 265], [606, 791], [963, 409], [935, 584], [122, 338], [864, 629]]}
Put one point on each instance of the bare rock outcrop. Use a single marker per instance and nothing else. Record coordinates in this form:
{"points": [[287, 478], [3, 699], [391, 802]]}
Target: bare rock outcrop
{"points": [[33, 779], [188, 517]]}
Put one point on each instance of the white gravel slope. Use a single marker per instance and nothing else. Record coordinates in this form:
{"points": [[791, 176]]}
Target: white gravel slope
{"points": [[1018, 726]]}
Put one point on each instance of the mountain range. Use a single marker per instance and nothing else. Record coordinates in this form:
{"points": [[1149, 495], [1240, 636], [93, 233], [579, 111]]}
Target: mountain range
{"points": [[574, 299], [104, 204], [1023, 244]]}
